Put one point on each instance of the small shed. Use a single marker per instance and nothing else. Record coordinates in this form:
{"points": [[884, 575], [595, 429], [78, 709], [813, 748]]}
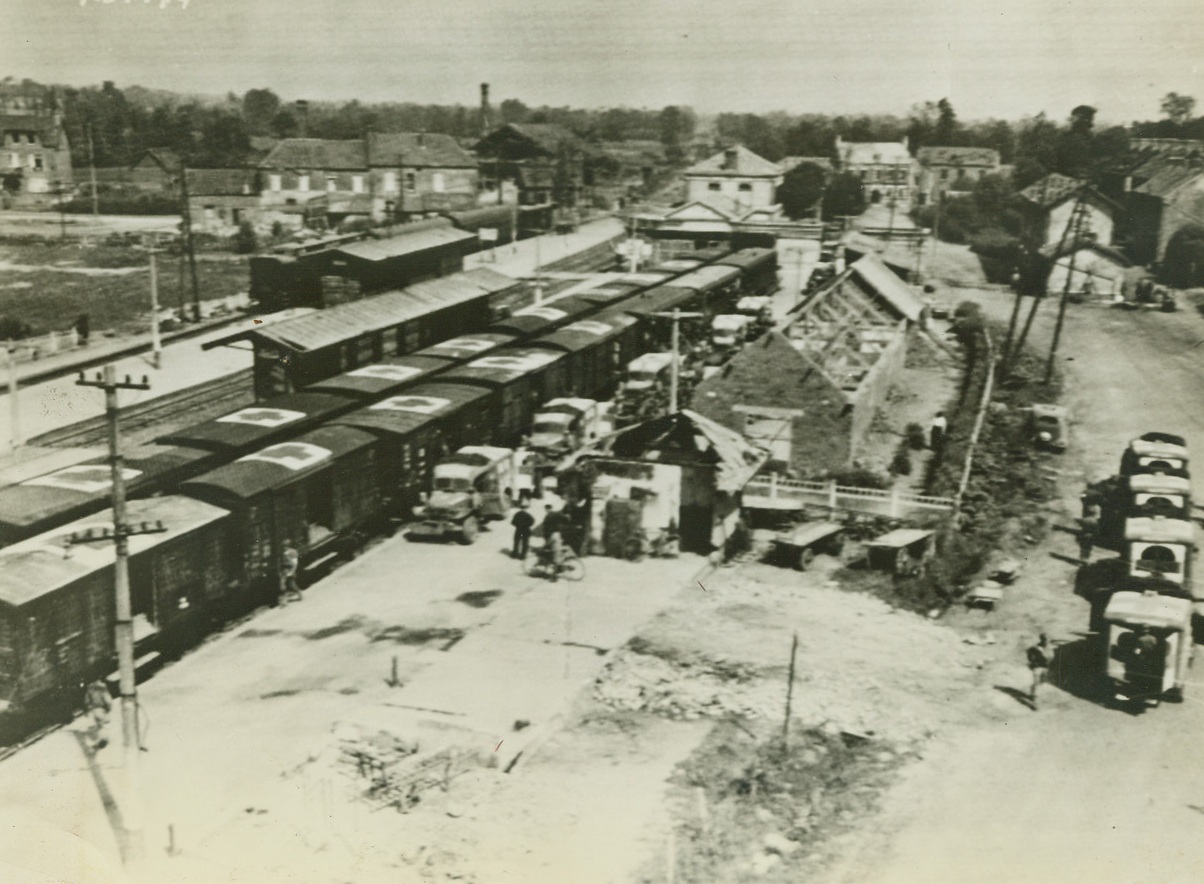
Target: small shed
{"points": [[437, 249], [681, 471]]}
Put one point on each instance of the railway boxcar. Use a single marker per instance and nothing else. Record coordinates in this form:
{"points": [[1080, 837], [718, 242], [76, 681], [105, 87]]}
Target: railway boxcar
{"points": [[758, 270], [521, 378], [419, 427], [595, 350], [718, 288], [258, 425], [317, 490], [45, 502], [467, 347], [57, 597], [541, 318], [380, 379]]}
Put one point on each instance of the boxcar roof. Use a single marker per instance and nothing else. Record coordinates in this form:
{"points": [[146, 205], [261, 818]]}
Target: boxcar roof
{"points": [[708, 277], [537, 317], [60, 494], [663, 297], [749, 258], [403, 414], [404, 244], [503, 367], [609, 293], [676, 265], [40, 565], [467, 346], [257, 424], [380, 378], [282, 463], [585, 332], [644, 278]]}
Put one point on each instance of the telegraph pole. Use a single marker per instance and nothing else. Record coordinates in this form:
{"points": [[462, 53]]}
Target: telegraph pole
{"points": [[132, 845], [14, 403], [156, 342], [188, 246], [676, 316], [92, 171], [1077, 217]]}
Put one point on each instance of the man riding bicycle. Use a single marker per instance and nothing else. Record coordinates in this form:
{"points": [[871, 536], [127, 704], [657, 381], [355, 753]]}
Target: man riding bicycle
{"points": [[553, 535]]}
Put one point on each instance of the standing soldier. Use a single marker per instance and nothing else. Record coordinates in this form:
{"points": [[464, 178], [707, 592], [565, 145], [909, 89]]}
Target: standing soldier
{"points": [[1088, 530], [97, 704], [936, 433], [1040, 656], [523, 522], [289, 561]]}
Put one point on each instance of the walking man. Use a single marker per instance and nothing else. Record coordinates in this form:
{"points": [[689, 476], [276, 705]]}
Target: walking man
{"points": [[936, 433], [1040, 656], [1088, 529], [289, 561], [97, 704], [523, 522]]}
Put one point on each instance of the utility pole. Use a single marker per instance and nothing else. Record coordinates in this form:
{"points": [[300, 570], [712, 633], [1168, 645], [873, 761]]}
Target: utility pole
{"points": [[92, 171], [538, 276], [132, 845], [187, 214], [1078, 218], [14, 403], [676, 316], [59, 190], [156, 343]]}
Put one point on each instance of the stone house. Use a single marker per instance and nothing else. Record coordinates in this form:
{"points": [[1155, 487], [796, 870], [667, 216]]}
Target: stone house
{"points": [[737, 177], [219, 200], [1046, 207], [35, 158], [953, 170], [1163, 195], [417, 173], [548, 164], [886, 168]]}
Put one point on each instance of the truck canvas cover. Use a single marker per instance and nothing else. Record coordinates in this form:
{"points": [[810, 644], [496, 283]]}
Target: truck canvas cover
{"points": [[1157, 611]]}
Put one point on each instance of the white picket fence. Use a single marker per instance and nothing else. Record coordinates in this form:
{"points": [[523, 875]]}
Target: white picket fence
{"points": [[772, 492]]}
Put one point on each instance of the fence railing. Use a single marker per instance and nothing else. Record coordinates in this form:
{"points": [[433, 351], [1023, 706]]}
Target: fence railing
{"points": [[776, 493], [33, 349], [983, 404]]}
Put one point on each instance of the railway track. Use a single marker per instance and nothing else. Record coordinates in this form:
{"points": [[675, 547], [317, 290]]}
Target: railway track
{"points": [[143, 421]]}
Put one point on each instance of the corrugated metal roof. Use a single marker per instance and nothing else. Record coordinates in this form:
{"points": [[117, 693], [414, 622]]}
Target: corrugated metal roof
{"points": [[893, 290], [40, 565], [278, 465], [403, 414], [550, 314], [380, 378], [663, 297], [406, 244], [258, 424]]}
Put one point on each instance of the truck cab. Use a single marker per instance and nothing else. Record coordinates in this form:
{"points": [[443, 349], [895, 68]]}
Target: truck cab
{"points": [[730, 330], [1149, 646], [1161, 549], [564, 425], [1050, 427], [759, 307], [1156, 453], [649, 370], [1160, 494], [470, 487]]}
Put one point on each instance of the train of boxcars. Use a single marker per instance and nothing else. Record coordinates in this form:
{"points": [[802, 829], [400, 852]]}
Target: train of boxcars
{"points": [[324, 468]]}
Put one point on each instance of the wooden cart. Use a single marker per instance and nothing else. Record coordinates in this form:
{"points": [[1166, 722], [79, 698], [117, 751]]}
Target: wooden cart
{"points": [[906, 551], [801, 543]]}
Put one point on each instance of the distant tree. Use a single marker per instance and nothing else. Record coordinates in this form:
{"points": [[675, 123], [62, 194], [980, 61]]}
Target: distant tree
{"points": [[802, 187], [1183, 263], [1178, 108], [947, 126], [259, 106], [284, 124], [245, 240], [844, 195], [676, 127], [514, 111], [1036, 150], [1075, 147]]}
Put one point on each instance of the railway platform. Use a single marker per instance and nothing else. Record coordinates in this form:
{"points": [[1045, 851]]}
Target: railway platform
{"points": [[519, 259]]}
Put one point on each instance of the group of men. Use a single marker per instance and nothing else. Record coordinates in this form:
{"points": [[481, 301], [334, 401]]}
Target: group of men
{"points": [[560, 529]]}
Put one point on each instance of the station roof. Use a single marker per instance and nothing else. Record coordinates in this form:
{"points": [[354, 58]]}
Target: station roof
{"points": [[41, 565], [403, 414], [405, 244], [73, 490], [260, 424], [505, 366], [467, 346], [380, 378], [282, 463]]}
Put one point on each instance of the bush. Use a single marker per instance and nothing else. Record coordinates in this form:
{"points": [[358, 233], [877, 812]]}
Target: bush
{"points": [[245, 241], [124, 204], [914, 434], [900, 464]]}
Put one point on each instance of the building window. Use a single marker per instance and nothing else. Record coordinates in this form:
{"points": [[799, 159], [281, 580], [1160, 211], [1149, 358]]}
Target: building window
{"points": [[332, 183], [274, 182], [390, 182], [14, 159], [714, 185], [303, 183], [411, 181], [37, 163], [437, 182], [745, 187], [944, 174], [357, 183]]}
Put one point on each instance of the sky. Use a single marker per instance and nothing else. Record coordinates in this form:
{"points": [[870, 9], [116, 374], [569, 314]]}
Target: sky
{"points": [[990, 58]]}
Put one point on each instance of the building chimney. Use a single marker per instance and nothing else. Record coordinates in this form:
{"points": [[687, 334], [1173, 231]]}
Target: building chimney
{"points": [[302, 117], [485, 114], [729, 158]]}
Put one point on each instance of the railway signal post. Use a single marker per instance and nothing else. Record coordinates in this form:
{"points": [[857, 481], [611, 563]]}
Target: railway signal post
{"points": [[132, 845]]}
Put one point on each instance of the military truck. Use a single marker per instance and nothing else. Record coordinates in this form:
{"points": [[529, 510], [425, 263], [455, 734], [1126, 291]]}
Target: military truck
{"points": [[470, 487], [562, 426], [1156, 452], [1149, 647]]}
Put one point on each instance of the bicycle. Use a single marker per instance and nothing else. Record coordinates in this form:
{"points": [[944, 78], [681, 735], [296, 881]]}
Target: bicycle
{"points": [[539, 563]]}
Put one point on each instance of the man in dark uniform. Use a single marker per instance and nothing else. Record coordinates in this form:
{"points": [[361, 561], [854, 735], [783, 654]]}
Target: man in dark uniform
{"points": [[523, 522], [1039, 656]]}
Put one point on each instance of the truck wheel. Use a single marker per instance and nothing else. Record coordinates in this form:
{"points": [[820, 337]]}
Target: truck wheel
{"points": [[468, 530], [805, 558]]}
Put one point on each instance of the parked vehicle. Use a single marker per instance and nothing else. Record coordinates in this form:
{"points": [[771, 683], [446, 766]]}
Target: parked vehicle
{"points": [[730, 330], [470, 487], [1162, 549], [1049, 427], [1149, 647], [649, 370], [564, 425], [800, 544], [1156, 452], [906, 552]]}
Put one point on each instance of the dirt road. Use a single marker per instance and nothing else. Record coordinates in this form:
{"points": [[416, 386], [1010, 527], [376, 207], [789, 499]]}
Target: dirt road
{"points": [[1074, 791]]}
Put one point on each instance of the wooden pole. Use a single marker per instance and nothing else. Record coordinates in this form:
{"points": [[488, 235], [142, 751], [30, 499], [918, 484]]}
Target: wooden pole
{"points": [[789, 695], [1076, 218]]}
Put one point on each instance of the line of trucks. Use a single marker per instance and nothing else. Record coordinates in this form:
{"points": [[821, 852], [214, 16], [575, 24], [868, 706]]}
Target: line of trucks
{"points": [[1150, 617]]}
